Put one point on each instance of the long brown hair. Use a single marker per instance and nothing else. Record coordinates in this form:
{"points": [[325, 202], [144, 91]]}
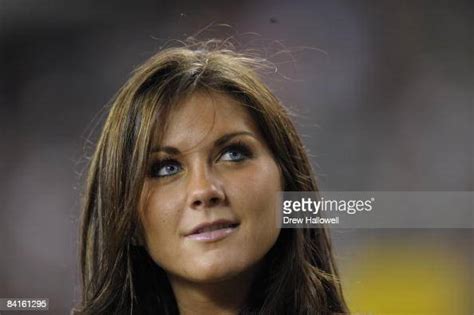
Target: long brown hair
{"points": [[118, 276]]}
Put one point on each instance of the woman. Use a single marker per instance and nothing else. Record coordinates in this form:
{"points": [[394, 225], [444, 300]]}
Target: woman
{"points": [[182, 191]]}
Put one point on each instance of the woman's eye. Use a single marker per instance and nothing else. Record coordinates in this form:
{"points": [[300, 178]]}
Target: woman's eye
{"points": [[235, 153], [165, 168]]}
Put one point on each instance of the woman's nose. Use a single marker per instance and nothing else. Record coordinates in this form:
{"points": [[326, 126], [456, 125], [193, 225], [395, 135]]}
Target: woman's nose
{"points": [[204, 189]]}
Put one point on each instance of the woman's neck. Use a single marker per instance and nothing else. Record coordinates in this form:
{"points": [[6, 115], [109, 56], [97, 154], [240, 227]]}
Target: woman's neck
{"points": [[223, 297]]}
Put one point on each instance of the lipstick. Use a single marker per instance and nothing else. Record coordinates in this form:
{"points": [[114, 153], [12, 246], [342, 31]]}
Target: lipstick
{"points": [[213, 231]]}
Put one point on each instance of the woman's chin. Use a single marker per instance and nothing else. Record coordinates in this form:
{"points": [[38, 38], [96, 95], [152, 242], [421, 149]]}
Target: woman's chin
{"points": [[212, 276], [212, 271]]}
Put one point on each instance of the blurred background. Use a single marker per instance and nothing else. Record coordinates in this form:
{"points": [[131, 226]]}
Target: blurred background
{"points": [[382, 92]]}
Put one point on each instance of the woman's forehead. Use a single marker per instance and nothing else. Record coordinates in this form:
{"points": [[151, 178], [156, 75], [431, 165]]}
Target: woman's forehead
{"points": [[202, 117]]}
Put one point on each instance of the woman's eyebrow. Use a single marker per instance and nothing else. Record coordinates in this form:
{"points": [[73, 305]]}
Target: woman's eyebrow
{"points": [[219, 142], [227, 137]]}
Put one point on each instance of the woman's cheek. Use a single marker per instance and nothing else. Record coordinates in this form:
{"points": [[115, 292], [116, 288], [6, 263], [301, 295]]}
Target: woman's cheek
{"points": [[159, 217], [253, 194]]}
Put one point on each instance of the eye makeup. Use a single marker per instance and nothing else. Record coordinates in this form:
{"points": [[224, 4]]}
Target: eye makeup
{"points": [[238, 147], [236, 151], [164, 168]]}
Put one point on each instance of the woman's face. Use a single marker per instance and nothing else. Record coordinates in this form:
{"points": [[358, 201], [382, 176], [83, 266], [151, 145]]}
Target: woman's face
{"points": [[209, 203]]}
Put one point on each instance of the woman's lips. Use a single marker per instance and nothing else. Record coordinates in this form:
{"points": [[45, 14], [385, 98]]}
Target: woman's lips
{"points": [[213, 234]]}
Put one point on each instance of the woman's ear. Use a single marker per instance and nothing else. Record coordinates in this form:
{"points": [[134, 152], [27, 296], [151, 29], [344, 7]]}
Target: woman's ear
{"points": [[138, 235], [137, 238], [282, 177], [134, 240]]}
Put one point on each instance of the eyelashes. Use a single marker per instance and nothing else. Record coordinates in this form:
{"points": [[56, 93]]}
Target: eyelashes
{"points": [[237, 152], [164, 168], [242, 152]]}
